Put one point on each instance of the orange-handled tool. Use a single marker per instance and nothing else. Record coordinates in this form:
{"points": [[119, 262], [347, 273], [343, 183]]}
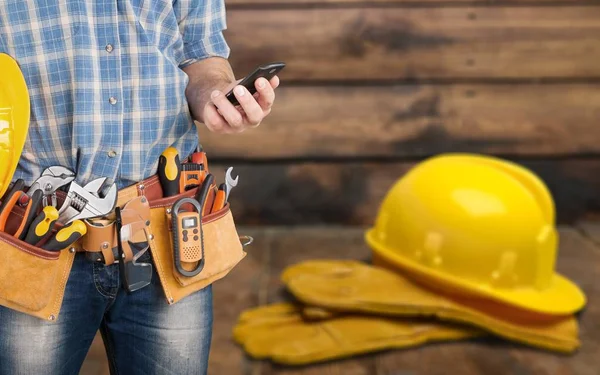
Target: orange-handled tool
{"points": [[199, 157], [219, 201], [8, 206]]}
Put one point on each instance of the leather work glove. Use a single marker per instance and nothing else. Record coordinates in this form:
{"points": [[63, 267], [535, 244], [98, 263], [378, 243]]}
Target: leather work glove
{"points": [[330, 287], [279, 332]]}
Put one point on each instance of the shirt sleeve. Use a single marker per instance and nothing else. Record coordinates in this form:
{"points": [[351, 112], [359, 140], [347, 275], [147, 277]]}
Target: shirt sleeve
{"points": [[201, 24]]}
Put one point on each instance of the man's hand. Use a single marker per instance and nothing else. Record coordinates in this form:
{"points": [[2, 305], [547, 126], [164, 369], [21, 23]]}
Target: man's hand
{"points": [[223, 117], [210, 80]]}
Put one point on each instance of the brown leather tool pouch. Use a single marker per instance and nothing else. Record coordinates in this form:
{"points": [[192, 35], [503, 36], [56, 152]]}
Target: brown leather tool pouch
{"points": [[32, 280], [221, 244]]}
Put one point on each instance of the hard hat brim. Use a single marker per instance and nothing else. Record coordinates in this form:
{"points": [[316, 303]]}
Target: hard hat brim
{"points": [[15, 92], [562, 297]]}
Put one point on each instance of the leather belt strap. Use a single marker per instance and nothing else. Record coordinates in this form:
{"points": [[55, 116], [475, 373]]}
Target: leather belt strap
{"points": [[100, 241]]}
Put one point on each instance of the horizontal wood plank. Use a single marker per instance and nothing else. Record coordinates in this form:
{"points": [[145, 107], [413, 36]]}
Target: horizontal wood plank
{"points": [[350, 193], [419, 43], [418, 120]]}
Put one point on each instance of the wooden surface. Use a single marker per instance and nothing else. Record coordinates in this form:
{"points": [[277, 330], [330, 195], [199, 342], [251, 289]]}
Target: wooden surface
{"points": [[349, 193], [416, 120], [579, 259], [401, 43], [255, 281], [373, 87]]}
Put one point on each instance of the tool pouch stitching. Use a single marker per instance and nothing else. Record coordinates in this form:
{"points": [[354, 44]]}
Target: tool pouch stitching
{"points": [[223, 247], [32, 280]]}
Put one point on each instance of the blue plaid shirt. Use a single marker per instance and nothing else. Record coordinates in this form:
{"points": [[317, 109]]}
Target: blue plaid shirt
{"points": [[105, 79]]}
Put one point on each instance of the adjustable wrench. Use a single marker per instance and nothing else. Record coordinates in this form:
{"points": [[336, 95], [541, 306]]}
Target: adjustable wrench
{"points": [[230, 182], [85, 202], [50, 181]]}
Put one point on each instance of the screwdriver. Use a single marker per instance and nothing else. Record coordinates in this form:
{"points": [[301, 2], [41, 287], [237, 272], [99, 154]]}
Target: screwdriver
{"points": [[41, 225], [66, 236], [169, 171]]}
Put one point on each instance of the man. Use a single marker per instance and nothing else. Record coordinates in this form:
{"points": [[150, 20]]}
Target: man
{"points": [[112, 84]]}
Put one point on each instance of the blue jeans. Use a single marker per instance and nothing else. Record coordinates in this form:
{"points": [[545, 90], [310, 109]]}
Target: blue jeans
{"points": [[141, 332]]}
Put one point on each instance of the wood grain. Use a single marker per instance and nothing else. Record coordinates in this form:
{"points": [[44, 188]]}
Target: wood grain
{"points": [[420, 120], [350, 193], [578, 260], [419, 43], [287, 248], [240, 290]]}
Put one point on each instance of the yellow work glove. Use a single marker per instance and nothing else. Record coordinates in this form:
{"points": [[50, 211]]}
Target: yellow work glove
{"points": [[279, 332], [355, 287]]}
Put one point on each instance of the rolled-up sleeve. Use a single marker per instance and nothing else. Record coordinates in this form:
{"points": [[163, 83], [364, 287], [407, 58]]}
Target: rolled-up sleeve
{"points": [[201, 24]]}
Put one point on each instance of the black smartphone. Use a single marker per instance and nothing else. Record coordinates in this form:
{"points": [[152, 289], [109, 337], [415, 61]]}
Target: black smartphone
{"points": [[267, 71]]}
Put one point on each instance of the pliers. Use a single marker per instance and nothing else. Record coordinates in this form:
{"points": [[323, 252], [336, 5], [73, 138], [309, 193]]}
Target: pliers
{"points": [[15, 196], [45, 186]]}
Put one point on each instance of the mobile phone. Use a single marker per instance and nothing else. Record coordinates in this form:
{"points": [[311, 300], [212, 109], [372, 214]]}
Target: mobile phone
{"points": [[267, 71]]}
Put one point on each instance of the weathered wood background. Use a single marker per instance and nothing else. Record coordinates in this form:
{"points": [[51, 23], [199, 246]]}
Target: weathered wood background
{"points": [[371, 88]]}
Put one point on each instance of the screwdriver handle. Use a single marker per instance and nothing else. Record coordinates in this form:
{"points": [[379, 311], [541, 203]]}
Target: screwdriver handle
{"points": [[66, 236], [41, 225], [169, 171]]}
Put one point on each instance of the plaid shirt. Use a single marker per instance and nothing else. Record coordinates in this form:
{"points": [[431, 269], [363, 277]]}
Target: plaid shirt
{"points": [[106, 86]]}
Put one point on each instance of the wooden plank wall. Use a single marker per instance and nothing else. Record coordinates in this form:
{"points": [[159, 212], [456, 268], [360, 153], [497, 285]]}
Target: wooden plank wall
{"points": [[372, 88]]}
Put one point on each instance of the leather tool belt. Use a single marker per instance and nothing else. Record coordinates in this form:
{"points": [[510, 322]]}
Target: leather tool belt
{"points": [[33, 280]]}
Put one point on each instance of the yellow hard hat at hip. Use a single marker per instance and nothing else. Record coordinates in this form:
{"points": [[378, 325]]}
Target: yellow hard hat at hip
{"points": [[14, 118], [476, 225]]}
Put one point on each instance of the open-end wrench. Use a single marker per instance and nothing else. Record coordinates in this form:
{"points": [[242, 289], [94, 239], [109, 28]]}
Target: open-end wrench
{"points": [[52, 179], [86, 202], [230, 182]]}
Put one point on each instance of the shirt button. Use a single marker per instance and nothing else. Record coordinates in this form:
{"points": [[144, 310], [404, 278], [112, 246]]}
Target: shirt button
{"points": [[109, 48], [112, 100], [112, 154]]}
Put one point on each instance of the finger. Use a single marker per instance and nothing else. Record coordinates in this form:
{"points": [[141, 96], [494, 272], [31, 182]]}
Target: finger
{"points": [[267, 94], [214, 121], [254, 112], [231, 115], [274, 82]]}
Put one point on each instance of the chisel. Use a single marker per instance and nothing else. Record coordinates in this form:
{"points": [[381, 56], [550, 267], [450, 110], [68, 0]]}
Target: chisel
{"points": [[169, 171], [66, 236], [41, 225]]}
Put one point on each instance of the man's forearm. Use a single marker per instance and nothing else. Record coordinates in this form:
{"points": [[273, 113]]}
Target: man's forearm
{"points": [[213, 73]]}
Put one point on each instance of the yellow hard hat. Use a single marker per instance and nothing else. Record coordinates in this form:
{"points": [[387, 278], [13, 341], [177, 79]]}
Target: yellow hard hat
{"points": [[476, 225], [14, 118]]}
